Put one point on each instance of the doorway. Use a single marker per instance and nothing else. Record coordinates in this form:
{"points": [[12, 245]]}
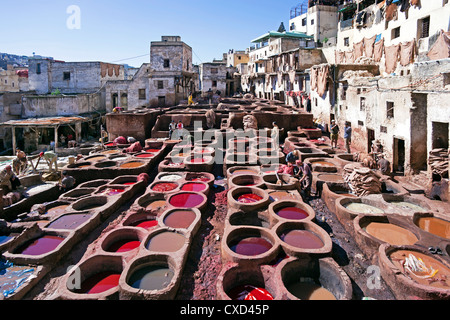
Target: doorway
{"points": [[370, 139], [399, 156]]}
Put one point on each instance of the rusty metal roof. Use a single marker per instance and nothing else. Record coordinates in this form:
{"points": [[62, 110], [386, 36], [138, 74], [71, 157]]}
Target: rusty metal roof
{"points": [[43, 122]]}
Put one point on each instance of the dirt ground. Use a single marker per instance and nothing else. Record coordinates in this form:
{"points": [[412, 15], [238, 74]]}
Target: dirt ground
{"points": [[204, 260]]}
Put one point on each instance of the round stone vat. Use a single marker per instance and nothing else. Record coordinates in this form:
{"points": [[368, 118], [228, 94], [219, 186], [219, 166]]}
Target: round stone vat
{"points": [[96, 158], [273, 157], [240, 159], [105, 164], [286, 182], [247, 198], [77, 193], [347, 208], [278, 195], [118, 157], [238, 170], [80, 165], [171, 165], [125, 180], [438, 226], [94, 183], [110, 152], [125, 240], [323, 164], [132, 164], [205, 177], [164, 187], [391, 187], [332, 191], [249, 245], [95, 278], [313, 279], [199, 163], [408, 204], [299, 238], [269, 168], [56, 208], [90, 203], [188, 219], [204, 151], [151, 277], [152, 202], [141, 220], [411, 278], [195, 187], [291, 210], [249, 283], [167, 240], [251, 218], [372, 231], [169, 177], [187, 199], [330, 177], [144, 155], [246, 181]]}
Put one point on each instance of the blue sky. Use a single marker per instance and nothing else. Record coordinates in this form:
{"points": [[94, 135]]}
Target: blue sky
{"points": [[116, 30]]}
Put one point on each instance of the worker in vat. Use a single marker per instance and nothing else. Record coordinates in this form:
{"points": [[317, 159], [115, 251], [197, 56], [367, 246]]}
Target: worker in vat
{"points": [[334, 129], [348, 136], [51, 158], [20, 163], [384, 165], [67, 182], [293, 156], [8, 180], [305, 175]]}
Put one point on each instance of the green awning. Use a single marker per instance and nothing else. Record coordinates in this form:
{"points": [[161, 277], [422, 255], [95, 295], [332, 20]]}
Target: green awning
{"points": [[275, 34], [349, 7]]}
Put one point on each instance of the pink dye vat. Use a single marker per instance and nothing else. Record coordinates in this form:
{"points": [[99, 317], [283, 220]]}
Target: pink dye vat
{"points": [[196, 187], [186, 200]]}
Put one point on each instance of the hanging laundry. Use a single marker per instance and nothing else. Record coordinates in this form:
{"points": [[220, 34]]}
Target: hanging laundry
{"points": [[404, 5], [322, 79], [441, 48], [313, 79], [378, 50], [340, 57], [391, 12], [369, 46], [391, 57], [292, 75], [407, 51], [349, 57], [415, 3], [358, 49]]}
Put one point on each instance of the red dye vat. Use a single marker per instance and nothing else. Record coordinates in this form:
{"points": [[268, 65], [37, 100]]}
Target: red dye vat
{"points": [[152, 150], [40, 245], [113, 192], [251, 246], [129, 183], [99, 283], [249, 292], [196, 187], [249, 198], [293, 213], [145, 155], [164, 187], [197, 160], [186, 200], [124, 245], [147, 224], [110, 144]]}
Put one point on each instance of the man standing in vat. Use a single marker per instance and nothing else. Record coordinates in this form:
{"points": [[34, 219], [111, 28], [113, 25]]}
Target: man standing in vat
{"points": [[304, 170], [348, 136], [334, 134], [67, 182]]}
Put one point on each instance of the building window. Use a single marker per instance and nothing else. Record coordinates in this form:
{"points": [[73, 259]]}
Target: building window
{"points": [[304, 22], [446, 79], [395, 33], [383, 129], [389, 109], [160, 84], [214, 84], [66, 76], [360, 123], [362, 104], [312, 21], [161, 101], [346, 42], [166, 63], [142, 94], [38, 68], [424, 27], [214, 70]]}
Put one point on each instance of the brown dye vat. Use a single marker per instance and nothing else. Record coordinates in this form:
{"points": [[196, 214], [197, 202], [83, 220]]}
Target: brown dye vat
{"points": [[131, 165], [180, 219], [391, 233], [155, 205], [166, 241], [429, 276], [110, 152], [436, 226], [309, 291], [281, 195], [302, 239], [244, 171], [331, 177], [323, 163], [96, 158]]}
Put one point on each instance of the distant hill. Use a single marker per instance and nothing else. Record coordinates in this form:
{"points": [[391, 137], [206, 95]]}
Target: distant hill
{"points": [[13, 59]]}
